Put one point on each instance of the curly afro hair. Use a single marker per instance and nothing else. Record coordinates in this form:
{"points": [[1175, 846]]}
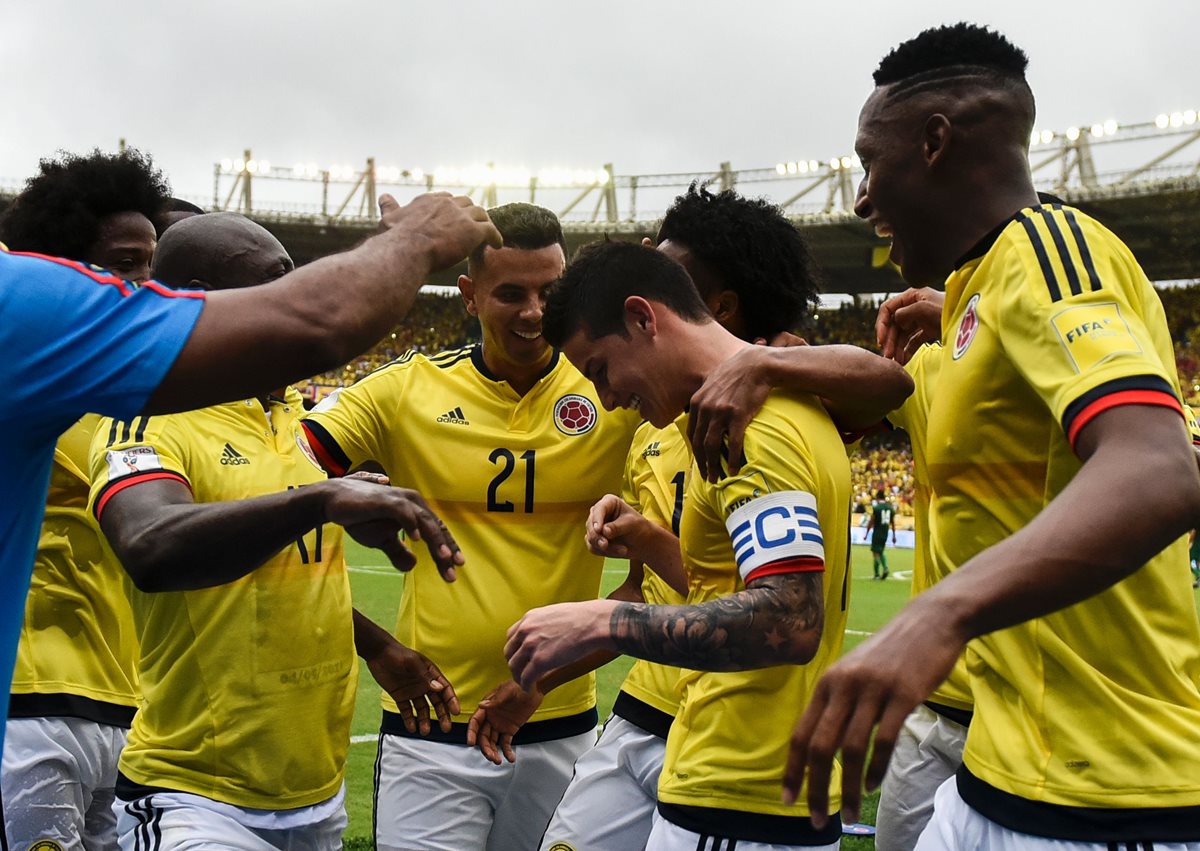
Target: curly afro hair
{"points": [[755, 251], [60, 209], [948, 51]]}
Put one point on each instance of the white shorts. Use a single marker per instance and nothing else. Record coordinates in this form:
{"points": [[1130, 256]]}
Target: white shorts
{"points": [[928, 752], [57, 781], [955, 826], [433, 796], [665, 836], [610, 803], [179, 821]]}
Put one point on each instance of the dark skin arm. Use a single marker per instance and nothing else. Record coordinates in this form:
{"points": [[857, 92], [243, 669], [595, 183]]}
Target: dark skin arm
{"points": [[247, 341], [776, 620], [857, 388], [168, 542], [1133, 456], [414, 682], [907, 321]]}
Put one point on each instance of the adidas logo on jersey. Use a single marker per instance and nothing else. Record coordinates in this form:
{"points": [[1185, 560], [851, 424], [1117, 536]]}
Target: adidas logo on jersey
{"points": [[456, 416], [653, 450], [231, 457]]}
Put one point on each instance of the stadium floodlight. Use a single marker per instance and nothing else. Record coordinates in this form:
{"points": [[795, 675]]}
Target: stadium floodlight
{"points": [[1176, 119], [1072, 133], [835, 163], [813, 165], [252, 166], [298, 170], [1162, 120], [847, 162], [1047, 137], [1111, 126], [1097, 130], [781, 168], [417, 174], [1189, 116], [1033, 137], [802, 166], [226, 165], [791, 168]]}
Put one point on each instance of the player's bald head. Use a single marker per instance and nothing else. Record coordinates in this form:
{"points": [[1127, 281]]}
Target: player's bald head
{"points": [[971, 74], [219, 251]]}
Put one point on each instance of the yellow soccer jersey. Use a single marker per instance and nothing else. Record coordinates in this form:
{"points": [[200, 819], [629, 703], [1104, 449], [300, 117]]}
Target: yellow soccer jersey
{"points": [[913, 417], [249, 686], [78, 650], [1047, 323], [787, 510], [655, 478], [513, 478]]}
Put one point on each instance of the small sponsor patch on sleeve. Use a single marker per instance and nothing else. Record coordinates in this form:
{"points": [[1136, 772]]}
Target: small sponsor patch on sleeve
{"points": [[776, 527], [1092, 333], [132, 459], [328, 402]]}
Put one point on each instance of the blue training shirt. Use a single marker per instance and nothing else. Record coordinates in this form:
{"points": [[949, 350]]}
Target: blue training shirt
{"points": [[73, 339]]}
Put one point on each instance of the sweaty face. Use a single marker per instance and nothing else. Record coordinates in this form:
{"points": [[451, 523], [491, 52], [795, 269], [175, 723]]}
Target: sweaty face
{"points": [[124, 245], [626, 374], [893, 195], [508, 294]]}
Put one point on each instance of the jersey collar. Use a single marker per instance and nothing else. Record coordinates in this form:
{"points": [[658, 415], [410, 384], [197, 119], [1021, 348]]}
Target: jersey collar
{"points": [[482, 367], [984, 245]]}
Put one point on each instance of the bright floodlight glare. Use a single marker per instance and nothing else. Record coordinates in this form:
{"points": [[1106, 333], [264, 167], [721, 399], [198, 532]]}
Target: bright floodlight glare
{"points": [[298, 170], [1072, 133], [1097, 130], [1162, 120], [846, 162], [834, 163], [1111, 126], [791, 168], [227, 165], [780, 168], [802, 166], [813, 165], [312, 169], [252, 166], [417, 174], [1033, 137], [1189, 117], [1047, 136], [1176, 119]]}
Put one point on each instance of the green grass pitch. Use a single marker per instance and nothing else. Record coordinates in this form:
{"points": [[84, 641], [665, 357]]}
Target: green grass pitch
{"points": [[377, 594]]}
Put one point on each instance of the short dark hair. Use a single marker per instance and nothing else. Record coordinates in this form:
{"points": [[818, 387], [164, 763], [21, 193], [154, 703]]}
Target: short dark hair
{"points": [[755, 251], [179, 205], [950, 52], [591, 294], [880, 495], [60, 209], [525, 226]]}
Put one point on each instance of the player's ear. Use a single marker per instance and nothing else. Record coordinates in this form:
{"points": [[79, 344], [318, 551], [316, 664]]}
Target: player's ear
{"points": [[723, 306], [466, 288], [647, 241], [936, 140], [639, 316]]}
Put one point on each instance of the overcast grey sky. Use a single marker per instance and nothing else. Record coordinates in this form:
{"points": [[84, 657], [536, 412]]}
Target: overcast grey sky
{"points": [[651, 86]]}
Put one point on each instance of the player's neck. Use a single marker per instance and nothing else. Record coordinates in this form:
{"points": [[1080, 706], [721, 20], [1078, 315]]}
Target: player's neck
{"points": [[701, 349], [521, 377]]}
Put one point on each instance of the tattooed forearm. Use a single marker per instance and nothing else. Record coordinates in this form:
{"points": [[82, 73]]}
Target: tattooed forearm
{"points": [[775, 621]]}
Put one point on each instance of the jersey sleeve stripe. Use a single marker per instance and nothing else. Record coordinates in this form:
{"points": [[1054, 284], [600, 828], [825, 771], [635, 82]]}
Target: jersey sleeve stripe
{"points": [[1064, 255], [140, 434], [99, 277], [115, 487], [1084, 252], [803, 564], [1136, 390], [331, 456], [155, 286], [1039, 249]]}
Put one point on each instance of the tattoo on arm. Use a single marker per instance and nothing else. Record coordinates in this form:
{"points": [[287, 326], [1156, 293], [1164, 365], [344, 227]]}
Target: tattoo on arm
{"points": [[777, 620]]}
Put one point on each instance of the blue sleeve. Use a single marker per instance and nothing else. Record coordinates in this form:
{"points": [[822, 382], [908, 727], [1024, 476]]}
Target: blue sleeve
{"points": [[78, 340]]}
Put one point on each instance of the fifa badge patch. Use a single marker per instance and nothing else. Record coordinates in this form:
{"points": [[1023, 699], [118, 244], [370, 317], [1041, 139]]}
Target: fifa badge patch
{"points": [[135, 459], [562, 846], [575, 414], [45, 845], [967, 326], [1092, 333]]}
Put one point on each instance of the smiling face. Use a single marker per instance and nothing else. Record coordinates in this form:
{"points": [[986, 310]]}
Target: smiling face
{"points": [[895, 194], [124, 245], [508, 294]]}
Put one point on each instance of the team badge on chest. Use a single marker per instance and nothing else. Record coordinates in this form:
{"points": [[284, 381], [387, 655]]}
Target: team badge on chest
{"points": [[967, 326], [575, 414]]}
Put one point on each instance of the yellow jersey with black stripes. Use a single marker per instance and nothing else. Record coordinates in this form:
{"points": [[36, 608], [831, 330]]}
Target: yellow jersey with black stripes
{"points": [[513, 478], [655, 480], [787, 510], [1047, 323], [913, 417], [78, 653], [249, 686]]}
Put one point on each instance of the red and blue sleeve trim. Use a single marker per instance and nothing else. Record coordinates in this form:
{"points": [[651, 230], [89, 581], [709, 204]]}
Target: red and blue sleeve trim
{"points": [[331, 456], [800, 564], [1134, 390], [115, 487]]}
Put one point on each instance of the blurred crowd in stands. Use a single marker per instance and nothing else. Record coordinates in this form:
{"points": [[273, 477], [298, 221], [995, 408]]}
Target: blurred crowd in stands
{"points": [[883, 461]]}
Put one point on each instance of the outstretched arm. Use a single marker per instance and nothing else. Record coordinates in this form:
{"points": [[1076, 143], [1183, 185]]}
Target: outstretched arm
{"points": [[857, 388], [1133, 455], [249, 341], [168, 542], [776, 620]]}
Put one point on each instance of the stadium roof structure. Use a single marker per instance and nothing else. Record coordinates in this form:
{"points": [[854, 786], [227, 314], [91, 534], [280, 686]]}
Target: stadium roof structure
{"points": [[1148, 193]]}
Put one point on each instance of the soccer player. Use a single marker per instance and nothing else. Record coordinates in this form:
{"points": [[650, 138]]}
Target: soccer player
{"points": [[883, 518], [507, 442], [755, 274], [74, 689], [242, 599], [76, 339], [766, 554], [1057, 389]]}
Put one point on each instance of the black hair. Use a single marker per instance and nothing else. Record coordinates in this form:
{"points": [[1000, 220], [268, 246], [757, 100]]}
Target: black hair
{"points": [[60, 209], [525, 226], [941, 55], [880, 495], [755, 251], [178, 205], [591, 294]]}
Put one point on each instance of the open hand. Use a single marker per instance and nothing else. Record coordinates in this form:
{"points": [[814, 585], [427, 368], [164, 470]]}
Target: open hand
{"points": [[499, 716]]}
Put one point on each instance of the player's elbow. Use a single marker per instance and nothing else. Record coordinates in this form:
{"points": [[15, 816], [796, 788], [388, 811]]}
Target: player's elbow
{"points": [[804, 646]]}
